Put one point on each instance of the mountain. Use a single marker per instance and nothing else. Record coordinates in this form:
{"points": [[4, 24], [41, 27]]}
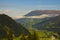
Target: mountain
{"points": [[38, 15], [51, 24], [40, 12], [7, 23]]}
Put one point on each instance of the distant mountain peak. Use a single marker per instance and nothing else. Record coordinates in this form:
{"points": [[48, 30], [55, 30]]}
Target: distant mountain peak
{"points": [[40, 12]]}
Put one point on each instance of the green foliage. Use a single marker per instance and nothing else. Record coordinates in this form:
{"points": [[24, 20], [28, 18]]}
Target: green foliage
{"points": [[36, 35], [8, 25], [12, 29], [23, 37]]}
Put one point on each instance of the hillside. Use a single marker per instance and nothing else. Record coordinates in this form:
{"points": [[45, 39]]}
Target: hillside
{"points": [[7, 23], [51, 24], [38, 14]]}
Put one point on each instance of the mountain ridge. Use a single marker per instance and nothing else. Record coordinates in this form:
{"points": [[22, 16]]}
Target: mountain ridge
{"points": [[37, 15], [39, 12], [6, 21]]}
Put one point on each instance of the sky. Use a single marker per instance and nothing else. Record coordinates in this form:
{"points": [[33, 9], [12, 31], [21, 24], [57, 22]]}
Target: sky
{"points": [[15, 8]]}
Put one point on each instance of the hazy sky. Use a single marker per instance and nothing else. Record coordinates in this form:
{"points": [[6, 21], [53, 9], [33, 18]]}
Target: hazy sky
{"points": [[16, 8]]}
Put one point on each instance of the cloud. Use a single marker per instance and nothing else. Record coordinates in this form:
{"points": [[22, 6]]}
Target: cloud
{"points": [[14, 13], [17, 17], [41, 16], [5, 11]]}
